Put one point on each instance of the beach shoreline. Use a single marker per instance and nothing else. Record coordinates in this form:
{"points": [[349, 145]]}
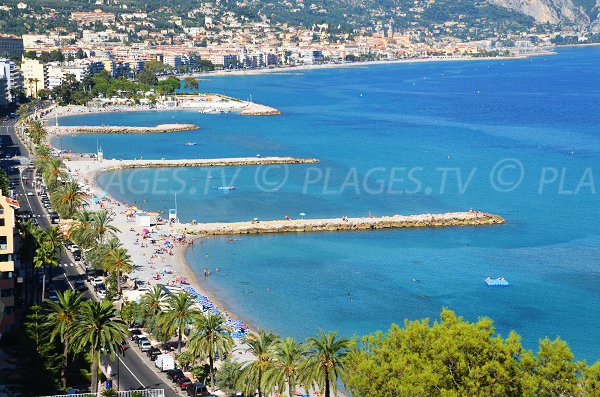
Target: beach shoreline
{"points": [[301, 68]]}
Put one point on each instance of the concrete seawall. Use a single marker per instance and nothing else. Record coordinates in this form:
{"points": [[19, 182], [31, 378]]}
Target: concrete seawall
{"points": [[82, 129], [339, 224]]}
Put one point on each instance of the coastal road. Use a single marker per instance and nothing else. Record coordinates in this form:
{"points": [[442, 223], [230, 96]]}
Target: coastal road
{"points": [[131, 372]]}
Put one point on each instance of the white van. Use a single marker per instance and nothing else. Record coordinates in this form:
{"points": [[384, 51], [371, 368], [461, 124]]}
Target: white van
{"points": [[165, 362]]}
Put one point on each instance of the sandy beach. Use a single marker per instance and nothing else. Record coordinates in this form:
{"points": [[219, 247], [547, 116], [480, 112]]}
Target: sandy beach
{"points": [[154, 262]]}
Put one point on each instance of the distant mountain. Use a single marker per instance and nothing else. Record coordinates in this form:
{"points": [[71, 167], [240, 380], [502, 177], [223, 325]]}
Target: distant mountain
{"points": [[580, 13]]}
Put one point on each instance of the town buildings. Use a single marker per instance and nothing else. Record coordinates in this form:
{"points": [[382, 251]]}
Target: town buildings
{"points": [[11, 46], [7, 262]]}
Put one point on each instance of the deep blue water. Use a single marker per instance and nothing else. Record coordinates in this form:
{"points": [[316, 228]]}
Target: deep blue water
{"points": [[518, 138]]}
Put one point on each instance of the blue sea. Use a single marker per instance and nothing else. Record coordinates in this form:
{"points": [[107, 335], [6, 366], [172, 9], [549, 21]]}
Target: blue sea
{"points": [[517, 138]]}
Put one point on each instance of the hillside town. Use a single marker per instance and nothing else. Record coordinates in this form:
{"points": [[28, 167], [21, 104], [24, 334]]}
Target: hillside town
{"points": [[211, 38]]}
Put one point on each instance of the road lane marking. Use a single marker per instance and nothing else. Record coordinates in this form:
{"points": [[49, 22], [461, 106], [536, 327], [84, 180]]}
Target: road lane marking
{"points": [[130, 371]]}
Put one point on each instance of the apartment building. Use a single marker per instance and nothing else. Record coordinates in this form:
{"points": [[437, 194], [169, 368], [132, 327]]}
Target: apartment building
{"points": [[7, 262], [14, 79], [11, 46], [35, 76], [3, 93], [91, 17]]}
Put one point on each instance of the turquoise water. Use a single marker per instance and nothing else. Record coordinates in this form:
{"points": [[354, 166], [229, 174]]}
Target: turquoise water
{"points": [[518, 138]]}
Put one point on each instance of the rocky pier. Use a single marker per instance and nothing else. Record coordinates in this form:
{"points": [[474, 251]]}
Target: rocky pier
{"points": [[450, 219], [82, 129]]}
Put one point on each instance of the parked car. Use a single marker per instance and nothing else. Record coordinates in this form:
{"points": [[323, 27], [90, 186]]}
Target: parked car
{"points": [[184, 382], [79, 285], [197, 390], [135, 333], [97, 282], [145, 345], [153, 352], [174, 372], [175, 377]]}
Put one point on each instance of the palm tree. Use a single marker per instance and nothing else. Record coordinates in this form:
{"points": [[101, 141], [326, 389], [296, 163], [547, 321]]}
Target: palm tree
{"points": [[325, 360], [28, 235], [96, 329], [52, 172], [36, 81], [290, 357], [118, 262], [180, 310], [69, 198], [101, 226], [37, 132], [42, 151], [45, 258], [153, 301], [81, 229], [55, 237], [263, 349], [209, 339], [130, 312], [60, 319]]}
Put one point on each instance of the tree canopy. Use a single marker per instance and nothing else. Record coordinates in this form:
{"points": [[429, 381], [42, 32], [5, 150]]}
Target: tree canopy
{"points": [[454, 357]]}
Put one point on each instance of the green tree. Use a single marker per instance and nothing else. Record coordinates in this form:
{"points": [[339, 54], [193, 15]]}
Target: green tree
{"points": [[457, 358], [209, 339], [290, 357], [52, 172], [191, 83], [131, 312], [45, 258], [154, 301], [97, 330], [555, 369], [186, 360], [145, 76], [118, 262], [228, 376], [4, 185], [61, 318], [180, 310], [68, 198], [591, 380], [324, 365], [253, 376], [37, 132]]}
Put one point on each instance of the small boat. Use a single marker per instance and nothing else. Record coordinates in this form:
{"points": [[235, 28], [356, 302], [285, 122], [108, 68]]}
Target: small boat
{"points": [[226, 187], [496, 282], [191, 143]]}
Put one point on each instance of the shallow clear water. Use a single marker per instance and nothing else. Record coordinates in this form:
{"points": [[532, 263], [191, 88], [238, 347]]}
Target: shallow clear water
{"points": [[518, 138]]}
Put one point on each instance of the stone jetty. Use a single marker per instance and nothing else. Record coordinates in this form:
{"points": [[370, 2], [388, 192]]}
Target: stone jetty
{"points": [[113, 165], [82, 129], [471, 218]]}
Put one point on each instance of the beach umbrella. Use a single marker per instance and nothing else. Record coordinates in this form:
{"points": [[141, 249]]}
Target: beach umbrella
{"points": [[255, 219], [302, 214]]}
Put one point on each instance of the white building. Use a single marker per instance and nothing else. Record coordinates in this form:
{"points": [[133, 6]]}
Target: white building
{"points": [[14, 79]]}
